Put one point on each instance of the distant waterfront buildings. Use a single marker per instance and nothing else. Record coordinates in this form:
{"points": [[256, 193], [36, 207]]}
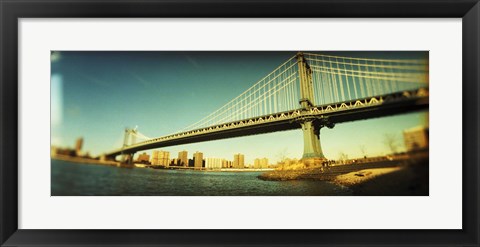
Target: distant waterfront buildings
{"points": [[78, 146], [260, 163], [213, 163], [160, 158], [143, 158], [198, 160], [63, 151], [183, 158], [174, 162], [154, 160], [226, 163], [238, 161], [416, 138], [72, 152]]}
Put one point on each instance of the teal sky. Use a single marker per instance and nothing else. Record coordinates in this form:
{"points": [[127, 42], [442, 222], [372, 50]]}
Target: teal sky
{"points": [[96, 95]]}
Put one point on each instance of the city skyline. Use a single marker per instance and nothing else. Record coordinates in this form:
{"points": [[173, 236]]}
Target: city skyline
{"points": [[97, 94]]}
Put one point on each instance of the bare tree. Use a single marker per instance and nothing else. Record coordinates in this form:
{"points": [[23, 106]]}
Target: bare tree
{"points": [[282, 156], [363, 150], [342, 156], [391, 141]]}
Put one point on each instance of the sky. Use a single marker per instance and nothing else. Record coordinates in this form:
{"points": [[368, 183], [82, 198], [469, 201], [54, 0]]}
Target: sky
{"points": [[97, 94]]}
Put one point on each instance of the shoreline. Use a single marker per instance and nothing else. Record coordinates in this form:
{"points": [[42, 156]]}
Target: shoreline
{"points": [[215, 170], [84, 160], [80, 160], [393, 178], [328, 173]]}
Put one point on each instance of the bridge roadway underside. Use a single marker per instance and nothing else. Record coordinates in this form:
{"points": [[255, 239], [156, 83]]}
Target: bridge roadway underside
{"points": [[376, 111]]}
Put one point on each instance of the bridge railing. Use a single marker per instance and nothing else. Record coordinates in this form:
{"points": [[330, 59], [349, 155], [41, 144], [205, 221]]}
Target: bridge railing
{"points": [[319, 110]]}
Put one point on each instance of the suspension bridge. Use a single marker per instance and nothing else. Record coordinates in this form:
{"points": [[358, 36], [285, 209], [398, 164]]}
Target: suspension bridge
{"points": [[308, 91]]}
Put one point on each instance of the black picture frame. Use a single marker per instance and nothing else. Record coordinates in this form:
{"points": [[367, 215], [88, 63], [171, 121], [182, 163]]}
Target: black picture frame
{"points": [[12, 10]]}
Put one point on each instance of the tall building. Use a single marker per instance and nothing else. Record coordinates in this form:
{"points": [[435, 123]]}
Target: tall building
{"points": [[416, 138], [78, 146], [213, 163], [164, 158], [154, 160], [183, 158], [238, 161], [143, 158], [160, 158], [256, 163], [226, 163], [264, 163], [198, 160], [260, 163]]}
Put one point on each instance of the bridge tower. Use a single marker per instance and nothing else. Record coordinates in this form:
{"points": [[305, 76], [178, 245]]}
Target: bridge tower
{"points": [[127, 158], [126, 137], [311, 125], [129, 134]]}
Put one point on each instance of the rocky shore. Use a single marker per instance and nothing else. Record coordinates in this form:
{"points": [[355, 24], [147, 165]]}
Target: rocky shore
{"points": [[397, 177], [328, 173]]}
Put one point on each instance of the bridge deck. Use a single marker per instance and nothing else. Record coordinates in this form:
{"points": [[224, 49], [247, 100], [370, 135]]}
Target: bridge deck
{"points": [[373, 107]]}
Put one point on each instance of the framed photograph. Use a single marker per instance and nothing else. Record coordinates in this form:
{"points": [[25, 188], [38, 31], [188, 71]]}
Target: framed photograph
{"points": [[239, 123]]}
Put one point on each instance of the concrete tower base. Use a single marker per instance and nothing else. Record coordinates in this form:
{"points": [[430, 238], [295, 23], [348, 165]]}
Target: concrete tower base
{"points": [[127, 158], [312, 151]]}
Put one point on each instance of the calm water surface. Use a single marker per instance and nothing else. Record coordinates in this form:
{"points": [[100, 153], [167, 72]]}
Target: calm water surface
{"points": [[73, 179]]}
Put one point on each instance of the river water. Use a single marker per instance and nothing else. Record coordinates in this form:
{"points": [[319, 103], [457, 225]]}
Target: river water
{"points": [[74, 179]]}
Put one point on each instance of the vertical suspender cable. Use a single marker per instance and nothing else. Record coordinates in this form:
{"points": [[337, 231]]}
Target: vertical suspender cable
{"points": [[353, 79]]}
